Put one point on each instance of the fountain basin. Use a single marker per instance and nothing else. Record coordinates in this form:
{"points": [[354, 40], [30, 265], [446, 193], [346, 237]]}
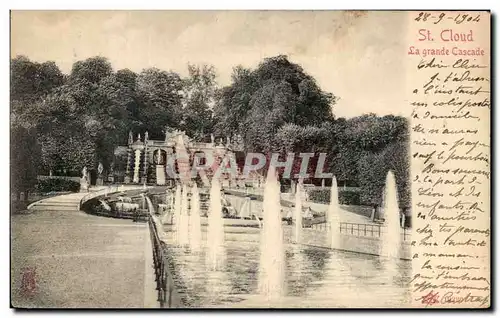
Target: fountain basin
{"points": [[315, 276]]}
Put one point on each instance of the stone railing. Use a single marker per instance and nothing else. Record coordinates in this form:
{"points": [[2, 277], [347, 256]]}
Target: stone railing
{"points": [[168, 297], [360, 229], [92, 195], [106, 191]]}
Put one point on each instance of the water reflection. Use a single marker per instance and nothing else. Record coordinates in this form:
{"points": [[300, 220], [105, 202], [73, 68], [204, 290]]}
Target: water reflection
{"points": [[297, 265]]}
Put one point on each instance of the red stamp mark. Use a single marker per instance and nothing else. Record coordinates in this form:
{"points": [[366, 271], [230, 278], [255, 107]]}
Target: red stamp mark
{"points": [[29, 281], [430, 299]]}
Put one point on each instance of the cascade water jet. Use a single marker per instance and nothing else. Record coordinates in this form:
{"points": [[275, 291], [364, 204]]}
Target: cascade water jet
{"points": [[177, 214], [391, 231], [215, 235], [298, 214], [195, 220], [333, 215], [245, 211], [272, 254], [184, 218], [168, 202]]}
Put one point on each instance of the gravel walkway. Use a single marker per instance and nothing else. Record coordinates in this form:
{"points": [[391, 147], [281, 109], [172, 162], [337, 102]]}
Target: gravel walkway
{"points": [[79, 261]]}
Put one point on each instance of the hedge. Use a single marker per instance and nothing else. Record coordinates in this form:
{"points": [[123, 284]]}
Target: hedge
{"points": [[347, 197], [57, 185]]}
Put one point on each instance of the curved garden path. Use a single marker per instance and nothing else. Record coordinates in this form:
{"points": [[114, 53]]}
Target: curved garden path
{"points": [[65, 258]]}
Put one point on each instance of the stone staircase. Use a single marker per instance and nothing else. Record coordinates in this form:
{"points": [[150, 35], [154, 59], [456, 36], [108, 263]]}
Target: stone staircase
{"points": [[71, 202], [66, 202]]}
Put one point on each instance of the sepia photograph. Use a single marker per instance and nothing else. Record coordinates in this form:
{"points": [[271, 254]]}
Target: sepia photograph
{"points": [[218, 159]]}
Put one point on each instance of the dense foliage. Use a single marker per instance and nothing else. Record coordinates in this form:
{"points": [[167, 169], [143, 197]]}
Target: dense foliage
{"points": [[57, 185], [61, 123], [260, 102], [347, 197], [24, 159]]}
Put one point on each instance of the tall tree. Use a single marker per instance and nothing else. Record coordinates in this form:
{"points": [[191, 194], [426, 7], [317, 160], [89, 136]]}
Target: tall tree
{"points": [[128, 79], [233, 102], [92, 70], [260, 101], [31, 81], [160, 95], [198, 95], [24, 158], [88, 112]]}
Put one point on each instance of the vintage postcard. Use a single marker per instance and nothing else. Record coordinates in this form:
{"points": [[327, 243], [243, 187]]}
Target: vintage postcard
{"points": [[250, 159]]}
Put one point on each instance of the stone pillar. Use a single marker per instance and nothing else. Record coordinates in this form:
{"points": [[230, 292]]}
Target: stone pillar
{"points": [[127, 171], [137, 162], [144, 178], [160, 174]]}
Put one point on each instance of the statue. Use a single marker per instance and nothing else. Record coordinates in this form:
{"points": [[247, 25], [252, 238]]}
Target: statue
{"points": [[100, 169], [111, 174], [84, 181], [139, 137], [130, 138], [212, 138], [165, 131], [146, 135], [158, 157]]}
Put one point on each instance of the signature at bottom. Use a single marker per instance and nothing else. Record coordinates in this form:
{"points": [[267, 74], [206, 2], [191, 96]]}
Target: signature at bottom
{"points": [[453, 298]]}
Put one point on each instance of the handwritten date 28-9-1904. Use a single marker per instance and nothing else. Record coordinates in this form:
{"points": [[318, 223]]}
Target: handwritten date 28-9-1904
{"points": [[457, 18]]}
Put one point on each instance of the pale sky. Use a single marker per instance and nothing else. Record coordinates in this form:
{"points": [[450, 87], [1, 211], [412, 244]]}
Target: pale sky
{"points": [[358, 57]]}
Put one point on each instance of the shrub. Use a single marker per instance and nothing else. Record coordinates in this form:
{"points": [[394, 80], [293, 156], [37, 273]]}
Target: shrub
{"points": [[347, 197], [57, 185], [373, 168], [94, 206]]}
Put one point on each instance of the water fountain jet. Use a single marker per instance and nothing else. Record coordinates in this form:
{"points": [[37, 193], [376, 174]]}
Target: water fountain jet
{"points": [[245, 209], [298, 214], [184, 218], [195, 220], [168, 203], [333, 215], [272, 249], [391, 231], [215, 235], [177, 214]]}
